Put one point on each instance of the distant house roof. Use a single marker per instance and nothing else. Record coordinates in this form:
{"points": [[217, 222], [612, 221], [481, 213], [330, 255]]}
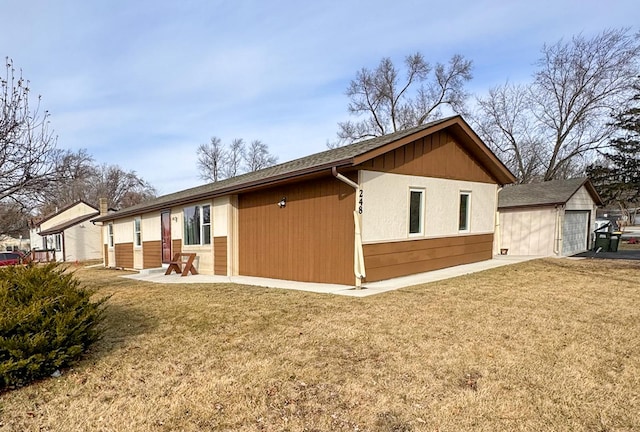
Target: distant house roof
{"points": [[62, 210], [68, 224], [341, 157], [554, 192]]}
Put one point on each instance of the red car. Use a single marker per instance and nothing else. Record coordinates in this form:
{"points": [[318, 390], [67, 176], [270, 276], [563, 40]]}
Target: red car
{"points": [[11, 258]]}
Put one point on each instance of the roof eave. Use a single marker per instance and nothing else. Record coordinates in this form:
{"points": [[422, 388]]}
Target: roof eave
{"points": [[243, 187], [66, 225], [520, 206]]}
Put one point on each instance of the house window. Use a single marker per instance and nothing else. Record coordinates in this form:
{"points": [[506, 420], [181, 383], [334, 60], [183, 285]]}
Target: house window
{"points": [[197, 225], [206, 224], [137, 234], [416, 211], [58, 240], [465, 211], [110, 234]]}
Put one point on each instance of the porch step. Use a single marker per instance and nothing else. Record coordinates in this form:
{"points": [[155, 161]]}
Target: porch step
{"points": [[151, 271]]}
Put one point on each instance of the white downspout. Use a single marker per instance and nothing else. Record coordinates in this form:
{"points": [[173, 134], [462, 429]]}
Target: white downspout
{"points": [[358, 253], [498, 239]]}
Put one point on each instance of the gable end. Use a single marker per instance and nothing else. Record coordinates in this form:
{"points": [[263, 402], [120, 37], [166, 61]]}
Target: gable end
{"points": [[437, 155]]}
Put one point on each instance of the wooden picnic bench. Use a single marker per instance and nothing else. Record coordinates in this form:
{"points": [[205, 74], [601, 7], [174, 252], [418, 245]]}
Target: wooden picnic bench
{"points": [[182, 263]]}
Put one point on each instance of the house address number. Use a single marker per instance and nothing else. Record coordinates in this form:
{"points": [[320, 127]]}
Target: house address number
{"points": [[360, 200]]}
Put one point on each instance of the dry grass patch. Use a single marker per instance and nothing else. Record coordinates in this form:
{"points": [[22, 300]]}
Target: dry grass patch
{"points": [[544, 345]]}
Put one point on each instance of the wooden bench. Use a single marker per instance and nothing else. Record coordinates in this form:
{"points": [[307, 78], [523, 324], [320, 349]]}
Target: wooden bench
{"points": [[182, 259]]}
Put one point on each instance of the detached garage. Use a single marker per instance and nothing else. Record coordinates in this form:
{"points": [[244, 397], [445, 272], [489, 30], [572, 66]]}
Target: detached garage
{"points": [[554, 218]]}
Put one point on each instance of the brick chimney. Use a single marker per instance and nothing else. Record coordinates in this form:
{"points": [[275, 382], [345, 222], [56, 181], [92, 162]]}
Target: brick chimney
{"points": [[104, 206]]}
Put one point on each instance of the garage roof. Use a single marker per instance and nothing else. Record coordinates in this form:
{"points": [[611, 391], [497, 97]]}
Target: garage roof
{"points": [[554, 192]]}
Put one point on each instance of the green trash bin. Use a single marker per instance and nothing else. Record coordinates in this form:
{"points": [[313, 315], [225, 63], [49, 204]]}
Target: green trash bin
{"points": [[614, 241], [603, 239]]}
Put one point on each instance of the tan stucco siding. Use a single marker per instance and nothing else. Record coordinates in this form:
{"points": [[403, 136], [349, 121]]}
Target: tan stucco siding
{"points": [[123, 231], [150, 226], [220, 214], [386, 206], [528, 231]]}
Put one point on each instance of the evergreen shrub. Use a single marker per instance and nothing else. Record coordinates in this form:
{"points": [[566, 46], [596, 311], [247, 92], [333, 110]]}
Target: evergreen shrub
{"points": [[47, 320]]}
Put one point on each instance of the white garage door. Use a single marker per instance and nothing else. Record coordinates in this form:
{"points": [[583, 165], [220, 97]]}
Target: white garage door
{"points": [[575, 232]]}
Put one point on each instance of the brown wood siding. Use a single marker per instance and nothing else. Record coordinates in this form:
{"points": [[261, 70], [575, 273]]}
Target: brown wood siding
{"points": [[311, 239], [176, 246], [124, 255], [436, 155], [220, 255], [152, 254], [106, 255], [394, 259]]}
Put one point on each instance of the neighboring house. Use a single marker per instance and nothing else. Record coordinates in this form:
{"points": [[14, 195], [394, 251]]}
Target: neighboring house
{"points": [[8, 243], [554, 218], [69, 232], [409, 202]]}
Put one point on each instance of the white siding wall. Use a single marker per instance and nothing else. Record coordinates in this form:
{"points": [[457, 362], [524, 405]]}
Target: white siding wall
{"points": [[82, 242], [581, 200], [386, 206], [77, 210], [36, 240], [530, 231]]}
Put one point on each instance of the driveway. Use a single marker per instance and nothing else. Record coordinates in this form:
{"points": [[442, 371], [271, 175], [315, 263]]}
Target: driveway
{"points": [[620, 255]]}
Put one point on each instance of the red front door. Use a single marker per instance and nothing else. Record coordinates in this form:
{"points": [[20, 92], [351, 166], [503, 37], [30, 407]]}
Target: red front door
{"points": [[165, 222]]}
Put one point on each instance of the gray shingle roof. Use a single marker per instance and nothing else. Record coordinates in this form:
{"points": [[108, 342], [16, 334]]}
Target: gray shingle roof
{"points": [[315, 162], [68, 224], [341, 157], [545, 193]]}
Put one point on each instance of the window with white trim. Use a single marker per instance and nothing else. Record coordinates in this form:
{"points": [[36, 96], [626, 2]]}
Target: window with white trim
{"points": [[465, 211], [110, 234], [416, 212], [137, 233], [197, 225], [58, 241]]}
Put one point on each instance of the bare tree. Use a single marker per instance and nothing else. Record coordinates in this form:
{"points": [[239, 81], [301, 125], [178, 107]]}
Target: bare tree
{"points": [[216, 162], [28, 154], [14, 219], [257, 156], [510, 131], [84, 180], [212, 158], [548, 128], [235, 156], [121, 188], [76, 171], [388, 104]]}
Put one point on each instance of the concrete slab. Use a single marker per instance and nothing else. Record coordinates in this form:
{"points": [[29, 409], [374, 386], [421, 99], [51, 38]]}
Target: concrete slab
{"points": [[370, 288]]}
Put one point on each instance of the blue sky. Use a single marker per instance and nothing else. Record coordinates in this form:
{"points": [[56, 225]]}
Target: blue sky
{"points": [[142, 83]]}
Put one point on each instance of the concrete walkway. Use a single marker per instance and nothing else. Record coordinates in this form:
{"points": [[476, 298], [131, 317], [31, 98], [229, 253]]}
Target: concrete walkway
{"points": [[371, 288]]}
